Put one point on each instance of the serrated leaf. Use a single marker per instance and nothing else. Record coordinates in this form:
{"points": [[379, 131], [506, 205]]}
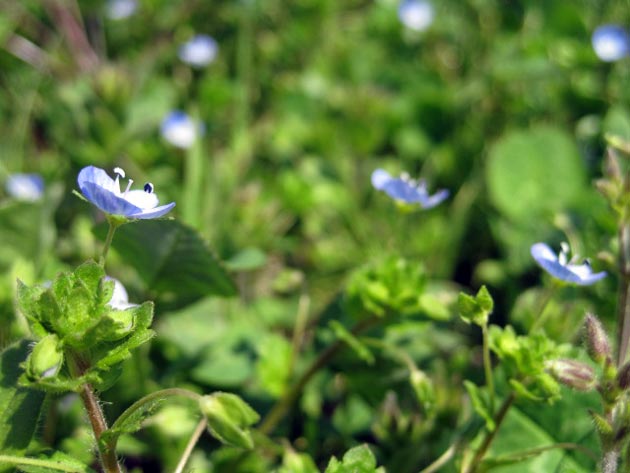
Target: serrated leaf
{"points": [[20, 407], [171, 257], [356, 460]]}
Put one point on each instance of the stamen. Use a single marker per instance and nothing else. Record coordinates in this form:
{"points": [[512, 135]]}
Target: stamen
{"points": [[128, 186], [148, 188], [119, 172]]}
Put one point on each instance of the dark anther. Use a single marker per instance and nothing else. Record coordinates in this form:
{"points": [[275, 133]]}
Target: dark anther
{"points": [[148, 187]]}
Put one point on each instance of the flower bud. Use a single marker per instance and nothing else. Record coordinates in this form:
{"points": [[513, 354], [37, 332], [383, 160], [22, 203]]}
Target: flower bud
{"points": [[45, 360], [572, 373], [229, 418], [623, 376], [597, 342], [423, 387]]}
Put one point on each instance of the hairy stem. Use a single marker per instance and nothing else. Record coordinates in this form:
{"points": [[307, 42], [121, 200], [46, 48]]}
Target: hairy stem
{"points": [[487, 441], [95, 414], [280, 409], [623, 308]]}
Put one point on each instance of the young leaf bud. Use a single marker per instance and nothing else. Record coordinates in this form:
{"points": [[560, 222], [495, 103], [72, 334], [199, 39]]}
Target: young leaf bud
{"points": [[229, 418], [45, 360], [572, 373], [423, 387], [597, 342]]}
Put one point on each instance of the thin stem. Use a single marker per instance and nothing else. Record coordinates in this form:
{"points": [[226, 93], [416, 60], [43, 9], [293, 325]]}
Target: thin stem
{"points": [[201, 426], [623, 308], [49, 465], [280, 409], [610, 461], [485, 444], [540, 317], [441, 460], [487, 364], [108, 241]]}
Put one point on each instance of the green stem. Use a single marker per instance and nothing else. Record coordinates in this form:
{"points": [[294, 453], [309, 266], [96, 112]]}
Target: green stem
{"points": [[487, 364], [108, 240], [487, 441], [280, 409], [201, 426], [540, 320]]}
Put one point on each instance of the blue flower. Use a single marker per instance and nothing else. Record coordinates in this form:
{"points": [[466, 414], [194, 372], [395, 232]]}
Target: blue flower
{"points": [[407, 190], [611, 42], [104, 192], [416, 15], [120, 9], [180, 130], [27, 187], [200, 51], [560, 267]]}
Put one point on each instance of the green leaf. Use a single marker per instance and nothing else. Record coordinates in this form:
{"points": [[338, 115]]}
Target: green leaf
{"points": [[356, 460], [46, 462], [353, 342], [476, 309], [293, 462], [171, 258], [480, 403], [247, 259], [20, 407], [274, 363], [544, 155]]}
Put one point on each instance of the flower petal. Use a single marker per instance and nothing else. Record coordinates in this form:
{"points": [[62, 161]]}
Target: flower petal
{"points": [[107, 201], [142, 199], [153, 213], [97, 176], [435, 199], [380, 177]]}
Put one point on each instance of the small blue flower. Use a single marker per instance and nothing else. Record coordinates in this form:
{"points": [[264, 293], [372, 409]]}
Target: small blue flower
{"points": [[416, 15], [104, 192], [407, 190], [120, 9], [611, 42], [27, 187], [560, 267], [200, 51], [179, 129]]}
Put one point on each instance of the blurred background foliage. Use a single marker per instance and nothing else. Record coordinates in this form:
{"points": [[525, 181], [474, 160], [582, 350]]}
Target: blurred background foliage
{"points": [[503, 102]]}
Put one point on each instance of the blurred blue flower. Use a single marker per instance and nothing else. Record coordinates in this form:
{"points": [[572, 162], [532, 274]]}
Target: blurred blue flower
{"points": [[407, 190], [179, 129], [27, 187], [120, 9], [416, 15], [560, 267], [104, 192], [199, 51], [611, 42]]}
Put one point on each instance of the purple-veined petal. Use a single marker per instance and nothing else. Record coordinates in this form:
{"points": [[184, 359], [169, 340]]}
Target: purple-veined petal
{"points": [[611, 42], [435, 199], [577, 274], [97, 176]]}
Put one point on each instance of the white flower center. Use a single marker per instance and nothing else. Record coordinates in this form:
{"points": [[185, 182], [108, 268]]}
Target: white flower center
{"points": [[143, 199]]}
